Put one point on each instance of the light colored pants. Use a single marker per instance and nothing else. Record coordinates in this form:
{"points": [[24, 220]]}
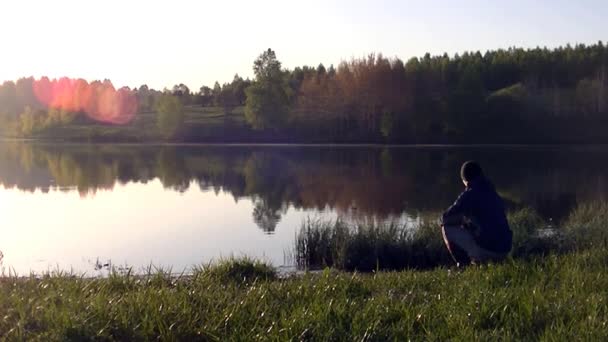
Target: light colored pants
{"points": [[456, 236]]}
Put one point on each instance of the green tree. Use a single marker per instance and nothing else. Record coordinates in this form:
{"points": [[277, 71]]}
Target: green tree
{"points": [[216, 93], [170, 115], [206, 96], [182, 92], [238, 87], [268, 97], [386, 124], [30, 121], [227, 98], [58, 116], [8, 96]]}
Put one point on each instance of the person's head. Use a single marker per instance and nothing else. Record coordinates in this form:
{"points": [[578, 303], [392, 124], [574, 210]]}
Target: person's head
{"points": [[470, 171]]}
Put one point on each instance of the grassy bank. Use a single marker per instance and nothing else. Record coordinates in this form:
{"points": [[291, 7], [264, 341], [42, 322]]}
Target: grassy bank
{"points": [[200, 124], [555, 295], [373, 246]]}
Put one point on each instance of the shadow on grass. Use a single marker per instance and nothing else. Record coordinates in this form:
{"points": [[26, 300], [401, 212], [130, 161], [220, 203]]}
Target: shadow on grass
{"points": [[373, 246]]}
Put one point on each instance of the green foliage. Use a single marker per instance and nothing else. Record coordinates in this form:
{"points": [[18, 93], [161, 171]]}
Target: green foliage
{"points": [[510, 95], [28, 122], [238, 270], [217, 93], [586, 225], [517, 92], [267, 67], [57, 117], [387, 124], [532, 235], [369, 245], [230, 95], [506, 105], [590, 96], [524, 223], [34, 122], [31, 122], [170, 115], [267, 101], [266, 106], [552, 298]]}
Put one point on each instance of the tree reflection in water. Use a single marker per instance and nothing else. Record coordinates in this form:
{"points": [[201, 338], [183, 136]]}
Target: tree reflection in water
{"points": [[377, 181], [266, 216]]}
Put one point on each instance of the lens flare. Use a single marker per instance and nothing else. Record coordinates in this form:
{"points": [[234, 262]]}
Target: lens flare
{"points": [[100, 101]]}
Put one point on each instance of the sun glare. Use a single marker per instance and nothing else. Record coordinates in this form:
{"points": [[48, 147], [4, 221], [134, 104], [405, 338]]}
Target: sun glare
{"points": [[100, 101]]}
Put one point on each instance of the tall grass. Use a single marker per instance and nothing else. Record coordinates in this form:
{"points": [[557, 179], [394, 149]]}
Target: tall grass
{"points": [[557, 297], [587, 225], [368, 246], [237, 270], [544, 296]]}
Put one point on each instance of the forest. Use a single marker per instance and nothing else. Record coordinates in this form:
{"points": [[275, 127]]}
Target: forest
{"points": [[510, 95]]}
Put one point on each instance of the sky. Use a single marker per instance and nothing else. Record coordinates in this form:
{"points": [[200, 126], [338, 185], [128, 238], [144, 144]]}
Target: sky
{"points": [[162, 43]]}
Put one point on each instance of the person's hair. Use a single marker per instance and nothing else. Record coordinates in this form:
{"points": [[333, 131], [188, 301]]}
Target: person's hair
{"points": [[470, 171]]}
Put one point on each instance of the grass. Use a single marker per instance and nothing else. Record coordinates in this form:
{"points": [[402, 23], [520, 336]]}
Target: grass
{"points": [[555, 295], [199, 123], [587, 226], [237, 270], [368, 246]]}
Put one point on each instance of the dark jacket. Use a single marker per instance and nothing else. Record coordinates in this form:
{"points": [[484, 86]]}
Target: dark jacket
{"points": [[480, 203]]}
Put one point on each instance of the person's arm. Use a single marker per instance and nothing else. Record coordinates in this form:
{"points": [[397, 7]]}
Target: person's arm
{"points": [[454, 215]]}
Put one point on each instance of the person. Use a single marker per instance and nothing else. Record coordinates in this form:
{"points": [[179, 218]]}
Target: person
{"points": [[475, 228]]}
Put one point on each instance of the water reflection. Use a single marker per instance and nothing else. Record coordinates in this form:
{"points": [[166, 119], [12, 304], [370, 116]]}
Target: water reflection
{"points": [[364, 182]]}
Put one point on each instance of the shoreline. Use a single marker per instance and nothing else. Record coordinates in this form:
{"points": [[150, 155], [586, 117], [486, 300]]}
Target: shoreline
{"points": [[553, 297], [287, 144]]}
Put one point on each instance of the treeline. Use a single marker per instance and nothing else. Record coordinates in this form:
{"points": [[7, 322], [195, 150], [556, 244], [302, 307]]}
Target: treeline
{"points": [[228, 95], [29, 105], [513, 95], [502, 96]]}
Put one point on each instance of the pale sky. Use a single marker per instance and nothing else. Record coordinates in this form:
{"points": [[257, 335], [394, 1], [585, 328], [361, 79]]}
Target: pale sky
{"points": [[162, 43]]}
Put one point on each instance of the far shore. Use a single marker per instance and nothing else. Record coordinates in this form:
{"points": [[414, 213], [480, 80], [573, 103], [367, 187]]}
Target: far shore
{"points": [[299, 144]]}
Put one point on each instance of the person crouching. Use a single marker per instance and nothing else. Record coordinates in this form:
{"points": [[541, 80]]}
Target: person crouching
{"points": [[475, 228]]}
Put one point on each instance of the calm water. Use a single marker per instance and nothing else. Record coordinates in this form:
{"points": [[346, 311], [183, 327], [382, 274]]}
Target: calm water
{"points": [[82, 206]]}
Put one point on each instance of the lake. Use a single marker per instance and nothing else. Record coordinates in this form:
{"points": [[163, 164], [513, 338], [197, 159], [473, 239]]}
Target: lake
{"points": [[86, 207]]}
